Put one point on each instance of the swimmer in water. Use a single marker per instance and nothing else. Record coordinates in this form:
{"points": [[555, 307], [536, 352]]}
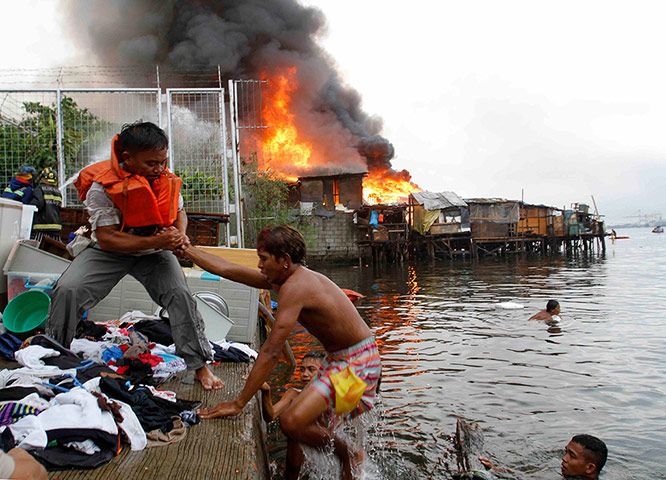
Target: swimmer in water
{"points": [[584, 457], [309, 368], [550, 313]]}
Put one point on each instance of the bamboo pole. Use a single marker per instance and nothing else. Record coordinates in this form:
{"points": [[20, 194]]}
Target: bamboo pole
{"points": [[596, 212]]}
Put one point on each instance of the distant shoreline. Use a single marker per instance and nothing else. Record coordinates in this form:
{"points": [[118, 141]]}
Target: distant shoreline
{"points": [[635, 225]]}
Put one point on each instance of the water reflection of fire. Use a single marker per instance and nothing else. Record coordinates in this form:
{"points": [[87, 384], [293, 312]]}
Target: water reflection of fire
{"points": [[289, 155]]}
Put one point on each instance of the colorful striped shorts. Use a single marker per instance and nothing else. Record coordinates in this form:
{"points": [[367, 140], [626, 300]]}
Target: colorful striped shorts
{"points": [[363, 359]]}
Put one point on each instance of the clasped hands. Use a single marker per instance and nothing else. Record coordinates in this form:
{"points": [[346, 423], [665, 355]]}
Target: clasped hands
{"points": [[170, 238]]}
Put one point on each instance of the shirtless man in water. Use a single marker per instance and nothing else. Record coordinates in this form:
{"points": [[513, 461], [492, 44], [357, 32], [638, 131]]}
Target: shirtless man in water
{"points": [[552, 308], [325, 311]]}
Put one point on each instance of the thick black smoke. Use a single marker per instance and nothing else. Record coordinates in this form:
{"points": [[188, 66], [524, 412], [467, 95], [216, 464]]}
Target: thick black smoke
{"points": [[246, 38]]}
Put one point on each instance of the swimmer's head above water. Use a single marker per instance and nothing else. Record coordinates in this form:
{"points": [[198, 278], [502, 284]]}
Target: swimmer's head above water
{"points": [[553, 307]]}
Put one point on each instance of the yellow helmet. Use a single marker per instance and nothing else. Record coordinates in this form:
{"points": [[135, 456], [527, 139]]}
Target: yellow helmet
{"points": [[49, 176]]}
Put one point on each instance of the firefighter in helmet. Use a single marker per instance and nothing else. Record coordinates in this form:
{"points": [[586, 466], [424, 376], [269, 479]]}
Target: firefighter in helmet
{"points": [[20, 187], [48, 199]]}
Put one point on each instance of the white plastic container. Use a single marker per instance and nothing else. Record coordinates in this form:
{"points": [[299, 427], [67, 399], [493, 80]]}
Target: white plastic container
{"points": [[19, 282], [10, 230], [27, 266], [26, 220]]}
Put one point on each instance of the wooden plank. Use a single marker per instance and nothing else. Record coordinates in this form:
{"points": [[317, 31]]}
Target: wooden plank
{"points": [[243, 256]]}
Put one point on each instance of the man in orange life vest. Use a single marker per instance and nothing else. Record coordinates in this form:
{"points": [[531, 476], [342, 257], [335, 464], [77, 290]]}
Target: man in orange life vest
{"points": [[137, 217]]}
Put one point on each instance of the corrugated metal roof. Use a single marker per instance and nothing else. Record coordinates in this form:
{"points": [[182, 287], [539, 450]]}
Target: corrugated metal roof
{"points": [[438, 200], [541, 205], [490, 200]]}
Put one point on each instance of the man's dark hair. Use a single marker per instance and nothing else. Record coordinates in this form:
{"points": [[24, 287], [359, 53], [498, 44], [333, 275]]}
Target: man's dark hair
{"points": [[142, 136], [315, 355], [552, 305], [282, 240], [595, 448]]}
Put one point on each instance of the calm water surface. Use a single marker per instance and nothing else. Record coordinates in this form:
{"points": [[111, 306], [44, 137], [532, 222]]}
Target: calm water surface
{"points": [[455, 342]]}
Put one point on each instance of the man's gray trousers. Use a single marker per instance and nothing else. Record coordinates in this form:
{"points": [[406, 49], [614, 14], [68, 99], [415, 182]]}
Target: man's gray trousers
{"points": [[94, 273]]}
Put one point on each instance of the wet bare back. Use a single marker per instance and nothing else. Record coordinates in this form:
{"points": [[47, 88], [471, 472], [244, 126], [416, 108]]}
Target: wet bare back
{"points": [[325, 311]]}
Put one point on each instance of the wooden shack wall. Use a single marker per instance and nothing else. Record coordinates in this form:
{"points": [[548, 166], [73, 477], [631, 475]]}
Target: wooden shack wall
{"points": [[351, 192], [533, 220], [558, 226], [489, 230], [321, 190], [312, 190]]}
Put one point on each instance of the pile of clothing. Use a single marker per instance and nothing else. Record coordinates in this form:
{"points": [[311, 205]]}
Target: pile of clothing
{"points": [[75, 408]]}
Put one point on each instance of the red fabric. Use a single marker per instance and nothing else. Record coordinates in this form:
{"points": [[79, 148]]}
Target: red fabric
{"points": [[150, 359], [352, 295]]}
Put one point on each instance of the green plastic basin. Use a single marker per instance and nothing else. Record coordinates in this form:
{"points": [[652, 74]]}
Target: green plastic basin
{"points": [[26, 313]]}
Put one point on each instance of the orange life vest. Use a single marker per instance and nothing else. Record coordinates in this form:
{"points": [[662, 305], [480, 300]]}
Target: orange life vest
{"points": [[141, 203]]}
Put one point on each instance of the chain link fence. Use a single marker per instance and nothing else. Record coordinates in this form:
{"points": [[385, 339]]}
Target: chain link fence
{"points": [[28, 133], [215, 141], [196, 128], [66, 129], [98, 117]]}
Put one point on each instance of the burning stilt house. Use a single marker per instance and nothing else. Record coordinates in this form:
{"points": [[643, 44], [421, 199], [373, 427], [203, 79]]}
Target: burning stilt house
{"points": [[328, 192]]}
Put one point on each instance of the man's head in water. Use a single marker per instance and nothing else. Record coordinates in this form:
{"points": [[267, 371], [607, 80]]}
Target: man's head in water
{"points": [[310, 366], [278, 249], [584, 457], [553, 307]]}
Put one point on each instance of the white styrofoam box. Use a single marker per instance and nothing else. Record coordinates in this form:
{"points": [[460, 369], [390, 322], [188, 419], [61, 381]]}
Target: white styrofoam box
{"points": [[10, 230], [26, 220], [243, 301]]}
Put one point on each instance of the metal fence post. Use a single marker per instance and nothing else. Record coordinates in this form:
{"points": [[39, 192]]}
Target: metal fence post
{"points": [[240, 241], [169, 132], [59, 138], [159, 108], [225, 164]]}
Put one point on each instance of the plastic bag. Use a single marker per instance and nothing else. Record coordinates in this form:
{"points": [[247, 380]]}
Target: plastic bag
{"points": [[348, 390]]}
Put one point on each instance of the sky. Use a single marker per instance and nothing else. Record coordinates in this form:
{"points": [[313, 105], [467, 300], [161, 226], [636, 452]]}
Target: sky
{"points": [[550, 102]]}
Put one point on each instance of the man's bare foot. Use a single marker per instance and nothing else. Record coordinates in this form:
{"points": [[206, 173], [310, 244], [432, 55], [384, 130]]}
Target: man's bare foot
{"points": [[207, 379], [352, 465]]}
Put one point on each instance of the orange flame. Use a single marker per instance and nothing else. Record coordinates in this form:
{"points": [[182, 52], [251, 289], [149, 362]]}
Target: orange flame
{"points": [[282, 146], [387, 187], [287, 155]]}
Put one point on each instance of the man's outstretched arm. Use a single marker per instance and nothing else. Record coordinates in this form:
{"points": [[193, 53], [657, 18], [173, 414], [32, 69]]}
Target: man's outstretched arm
{"points": [[224, 268], [268, 357]]}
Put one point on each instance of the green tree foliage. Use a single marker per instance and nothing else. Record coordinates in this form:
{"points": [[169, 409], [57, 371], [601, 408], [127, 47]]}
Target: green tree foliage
{"points": [[32, 139], [264, 201], [199, 186]]}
